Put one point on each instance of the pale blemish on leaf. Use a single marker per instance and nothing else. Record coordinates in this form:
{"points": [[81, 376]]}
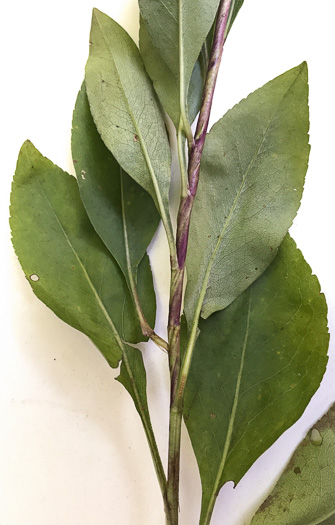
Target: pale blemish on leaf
{"points": [[316, 438]]}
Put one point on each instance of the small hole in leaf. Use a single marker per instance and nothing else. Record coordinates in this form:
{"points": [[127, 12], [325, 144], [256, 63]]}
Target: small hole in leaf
{"points": [[83, 173], [297, 470], [34, 277], [135, 138]]}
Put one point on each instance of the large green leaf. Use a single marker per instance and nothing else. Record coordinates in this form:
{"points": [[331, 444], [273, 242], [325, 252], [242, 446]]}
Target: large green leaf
{"points": [[171, 38], [122, 213], [125, 111], [251, 181], [66, 263], [304, 495], [255, 367]]}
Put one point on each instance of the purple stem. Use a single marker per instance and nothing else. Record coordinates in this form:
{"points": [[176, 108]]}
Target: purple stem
{"points": [[177, 275], [186, 205]]}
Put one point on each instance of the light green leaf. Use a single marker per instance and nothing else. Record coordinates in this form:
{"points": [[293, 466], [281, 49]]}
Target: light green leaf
{"points": [[167, 85], [255, 367], [67, 265], [122, 213], [304, 494], [171, 38], [251, 181], [234, 9], [125, 111]]}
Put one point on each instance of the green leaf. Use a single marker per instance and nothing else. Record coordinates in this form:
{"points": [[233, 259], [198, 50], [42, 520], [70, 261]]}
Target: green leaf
{"points": [[251, 181], [166, 85], [122, 213], [138, 377], [125, 111], [255, 367], [234, 9], [304, 494], [133, 378], [328, 521], [171, 38], [66, 263]]}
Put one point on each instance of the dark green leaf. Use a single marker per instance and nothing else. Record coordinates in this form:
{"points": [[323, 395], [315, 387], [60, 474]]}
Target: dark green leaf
{"points": [[68, 266], [255, 367], [253, 169], [304, 495], [122, 213], [125, 111], [171, 38]]}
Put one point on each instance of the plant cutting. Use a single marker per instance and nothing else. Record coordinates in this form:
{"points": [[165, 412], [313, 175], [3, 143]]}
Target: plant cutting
{"points": [[247, 333]]}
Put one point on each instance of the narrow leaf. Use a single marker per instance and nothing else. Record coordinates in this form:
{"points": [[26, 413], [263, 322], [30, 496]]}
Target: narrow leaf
{"points": [[255, 367], [167, 85], [122, 213], [304, 494], [125, 111], [171, 38], [234, 9], [137, 377], [133, 378], [67, 265], [251, 181]]}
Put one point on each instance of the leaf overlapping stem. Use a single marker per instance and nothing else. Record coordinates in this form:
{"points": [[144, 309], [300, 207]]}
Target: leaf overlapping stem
{"points": [[178, 379]]}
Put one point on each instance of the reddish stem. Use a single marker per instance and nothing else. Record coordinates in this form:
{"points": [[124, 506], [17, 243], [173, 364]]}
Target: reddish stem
{"points": [[183, 225]]}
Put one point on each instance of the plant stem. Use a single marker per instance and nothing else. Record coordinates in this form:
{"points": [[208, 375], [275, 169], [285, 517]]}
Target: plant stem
{"points": [[148, 431], [177, 277], [147, 331]]}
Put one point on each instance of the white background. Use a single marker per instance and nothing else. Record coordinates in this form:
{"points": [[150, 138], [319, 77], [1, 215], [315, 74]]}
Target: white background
{"points": [[72, 450]]}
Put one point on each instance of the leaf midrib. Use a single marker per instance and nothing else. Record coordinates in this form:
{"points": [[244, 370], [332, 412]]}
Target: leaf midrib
{"points": [[234, 206], [86, 275], [122, 347], [231, 423], [141, 140]]}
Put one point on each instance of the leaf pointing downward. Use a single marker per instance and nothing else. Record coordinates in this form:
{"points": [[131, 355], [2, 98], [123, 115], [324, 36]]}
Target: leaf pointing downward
{"points": [[125, 110], [66, 263], [251, 181], [255, 367]]}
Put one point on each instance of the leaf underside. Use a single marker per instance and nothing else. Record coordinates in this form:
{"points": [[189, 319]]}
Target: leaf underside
{"points": [[167, 85], [125, 110], [304, 494], [122, 213], [255, 367], [252, 175], [172, 35], [67, 265], [235, 7]]}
